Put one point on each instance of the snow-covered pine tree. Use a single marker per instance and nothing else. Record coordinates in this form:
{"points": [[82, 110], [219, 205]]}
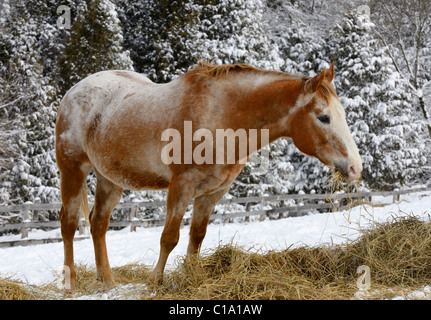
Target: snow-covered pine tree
{"points": [[234, 32], [166, 38], [162, 36], [135, 18], [28, 171], [378, 105], [95, 43]]}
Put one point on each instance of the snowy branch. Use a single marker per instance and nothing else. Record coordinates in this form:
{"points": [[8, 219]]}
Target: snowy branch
{"points": [[11, 102]]}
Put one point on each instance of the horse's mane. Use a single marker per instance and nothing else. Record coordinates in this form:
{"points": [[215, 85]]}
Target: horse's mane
{"points": [[219, 72]]}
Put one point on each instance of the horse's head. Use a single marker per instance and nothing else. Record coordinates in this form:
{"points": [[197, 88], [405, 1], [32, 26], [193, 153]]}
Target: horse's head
{"points": [[318, 126]]}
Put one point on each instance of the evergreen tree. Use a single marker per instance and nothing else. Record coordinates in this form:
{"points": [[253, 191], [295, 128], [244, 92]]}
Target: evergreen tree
{"points": [[378, 105], [95, 43], [234, 32], [166, 38], [162, 36], [28, 171]]}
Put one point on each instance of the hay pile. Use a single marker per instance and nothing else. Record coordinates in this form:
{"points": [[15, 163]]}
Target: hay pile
{"points": [[14, 290], [398, 254]]}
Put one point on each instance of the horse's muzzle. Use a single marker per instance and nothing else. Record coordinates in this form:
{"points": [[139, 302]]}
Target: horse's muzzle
{"points": [[350, 171]]}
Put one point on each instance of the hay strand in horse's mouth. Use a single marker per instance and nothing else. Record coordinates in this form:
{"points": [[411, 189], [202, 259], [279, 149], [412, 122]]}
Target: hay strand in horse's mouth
{"points": [[337, 183], [336, 180]]}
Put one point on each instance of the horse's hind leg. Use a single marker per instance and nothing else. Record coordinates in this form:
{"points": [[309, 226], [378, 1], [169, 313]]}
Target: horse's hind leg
{"points": [[73, 176], [108, 195]]}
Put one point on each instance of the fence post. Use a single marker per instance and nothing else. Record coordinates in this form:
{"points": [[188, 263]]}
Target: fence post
{"points": [[262, 217], [336, 203], [132, 215], [280, 214], [300, 202], [82, 224], [26, 219], [247, 208], [35, 215], [396, 196]]}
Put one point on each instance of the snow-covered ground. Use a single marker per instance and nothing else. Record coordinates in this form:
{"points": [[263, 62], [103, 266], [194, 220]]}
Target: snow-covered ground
{"points": [[42, 263]]}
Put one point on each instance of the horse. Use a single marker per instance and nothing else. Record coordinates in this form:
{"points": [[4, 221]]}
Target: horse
{"points": [[112, 122]]}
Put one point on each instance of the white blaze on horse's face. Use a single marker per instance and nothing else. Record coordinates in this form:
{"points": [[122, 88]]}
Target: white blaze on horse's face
{"points": [[344, 153], [318, 127]]}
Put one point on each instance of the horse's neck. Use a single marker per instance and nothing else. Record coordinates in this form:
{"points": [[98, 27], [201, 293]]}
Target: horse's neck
{"points": [[264, 104]]}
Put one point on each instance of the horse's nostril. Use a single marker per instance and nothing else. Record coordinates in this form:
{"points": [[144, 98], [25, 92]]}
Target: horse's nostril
{"points": [[354, 172]]}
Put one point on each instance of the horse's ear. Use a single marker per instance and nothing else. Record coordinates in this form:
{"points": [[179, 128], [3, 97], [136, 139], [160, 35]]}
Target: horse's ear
{"points": [[314, 83], [329, 76]]}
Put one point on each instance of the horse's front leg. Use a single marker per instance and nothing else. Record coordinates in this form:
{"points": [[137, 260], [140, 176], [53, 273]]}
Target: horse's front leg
{"points": [[202, 209], [180, 194]]}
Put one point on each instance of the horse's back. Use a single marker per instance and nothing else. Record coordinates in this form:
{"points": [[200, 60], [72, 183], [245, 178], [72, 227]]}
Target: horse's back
{"points": [[92, 98], [91, 93], [107, 120]]}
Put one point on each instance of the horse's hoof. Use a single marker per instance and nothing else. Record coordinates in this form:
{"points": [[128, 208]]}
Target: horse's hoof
{"points": [[109, 284], [156, 278]]}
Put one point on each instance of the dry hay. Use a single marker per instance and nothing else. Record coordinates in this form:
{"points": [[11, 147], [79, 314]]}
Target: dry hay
{"points": [[398, 254], [336, 184], [14, 290]]}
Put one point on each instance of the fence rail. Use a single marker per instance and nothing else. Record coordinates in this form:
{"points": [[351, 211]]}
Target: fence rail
{"points": [[302, 204]]}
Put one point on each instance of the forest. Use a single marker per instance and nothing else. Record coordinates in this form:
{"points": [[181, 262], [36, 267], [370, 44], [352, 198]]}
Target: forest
{"points": [[381, 50]]}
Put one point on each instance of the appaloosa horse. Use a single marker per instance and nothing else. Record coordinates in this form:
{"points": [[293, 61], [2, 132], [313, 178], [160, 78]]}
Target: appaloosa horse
{"points": [[113, 121]]}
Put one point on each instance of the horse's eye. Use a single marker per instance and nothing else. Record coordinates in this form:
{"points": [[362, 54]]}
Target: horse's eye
{"points": [[324, 119]]}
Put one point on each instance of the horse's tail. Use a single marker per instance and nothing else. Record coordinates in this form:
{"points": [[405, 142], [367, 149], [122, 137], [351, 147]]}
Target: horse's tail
{"points": [[84, 204]]}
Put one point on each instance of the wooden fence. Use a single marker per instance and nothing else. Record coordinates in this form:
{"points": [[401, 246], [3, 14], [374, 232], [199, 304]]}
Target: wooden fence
{"points": [[297, 205]]}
